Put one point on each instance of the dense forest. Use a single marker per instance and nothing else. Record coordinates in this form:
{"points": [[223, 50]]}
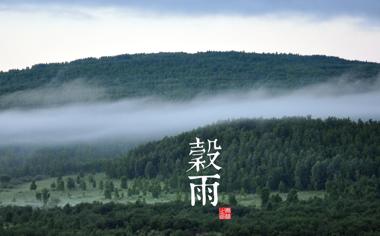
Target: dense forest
{"points": [[178, 133], [261, 156], [285, 153], [353, 211], [265, 157], [182, 75], [30, 161], [280, 154], [302, 153]]}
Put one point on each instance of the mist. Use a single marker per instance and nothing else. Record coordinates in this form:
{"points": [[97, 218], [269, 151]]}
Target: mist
{"points": [[55, 93], [137, 120]]}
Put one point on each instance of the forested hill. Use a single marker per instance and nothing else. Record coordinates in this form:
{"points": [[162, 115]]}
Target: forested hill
{"points": [[303, 153], [182, 75]]}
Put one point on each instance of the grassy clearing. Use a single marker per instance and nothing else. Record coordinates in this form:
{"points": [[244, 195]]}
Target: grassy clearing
{"points": [[254, 199], [21, 195]]}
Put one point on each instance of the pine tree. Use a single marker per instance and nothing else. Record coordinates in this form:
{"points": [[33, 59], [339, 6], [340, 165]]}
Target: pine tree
{"points": [[83, 185], [124, 182], [116, 193], [70, 183], [232, 200], [107, 193], [60, 184], [292, 196], [264, 195], [45, 195], [282, 187], [33, 185], [38, 196]]}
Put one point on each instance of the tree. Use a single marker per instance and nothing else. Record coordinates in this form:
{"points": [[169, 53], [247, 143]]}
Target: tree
{"points": [[92, 181], [276, 198], [149, 170], [70, 183], [124, 182], [156, 190], [45, 195], [83, 185], [110, 186], [107, 193], [91, 178], [292, 196], [78, 179], [4, 180], [39, 196], [130, 192], [282, 187], [275, 178], [108, 189], [318, 175], [302, 175], [116, 193], [264, 195], [232, 200], [60, 184], [33, 185]]}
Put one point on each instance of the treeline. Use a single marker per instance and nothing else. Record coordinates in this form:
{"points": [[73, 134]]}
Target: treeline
{"points": [[141, 188], [346, 213], [182, 75], [280, 154], [30, 162]]}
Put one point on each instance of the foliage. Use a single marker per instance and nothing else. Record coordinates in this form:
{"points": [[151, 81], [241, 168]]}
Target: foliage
{"points": [[182, 75], [300, 153], [33, 185], [348, 216]]}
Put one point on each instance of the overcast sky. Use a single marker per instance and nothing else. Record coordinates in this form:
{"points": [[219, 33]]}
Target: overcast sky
{"points": [[55, 31]]}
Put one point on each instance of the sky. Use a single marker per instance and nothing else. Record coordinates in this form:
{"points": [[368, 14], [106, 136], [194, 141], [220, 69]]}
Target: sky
{"points": [[56, 31]]}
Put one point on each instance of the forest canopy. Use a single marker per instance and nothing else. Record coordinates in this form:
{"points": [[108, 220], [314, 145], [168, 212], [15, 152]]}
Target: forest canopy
{"points": [[183, 75], [302, 153]]}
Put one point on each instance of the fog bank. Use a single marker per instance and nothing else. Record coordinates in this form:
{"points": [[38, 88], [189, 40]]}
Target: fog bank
{"points": [[151, 118], [135, 120]]}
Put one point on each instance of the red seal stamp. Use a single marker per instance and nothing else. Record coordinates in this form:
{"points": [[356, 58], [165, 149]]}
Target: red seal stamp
{"points": [[225, 213]]}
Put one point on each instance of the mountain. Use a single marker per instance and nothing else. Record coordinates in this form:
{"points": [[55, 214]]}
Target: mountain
{"points": [[183, 75], [172, 76], [278, 153], [281, 154]]}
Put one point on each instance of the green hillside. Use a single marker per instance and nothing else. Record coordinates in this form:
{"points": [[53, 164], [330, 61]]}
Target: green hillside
{"points": [[271, 169], [302, 153], [182, 75]]}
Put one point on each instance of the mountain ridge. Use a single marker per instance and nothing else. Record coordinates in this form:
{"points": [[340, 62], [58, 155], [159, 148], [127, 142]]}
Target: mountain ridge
{"points": [[183, 75]]}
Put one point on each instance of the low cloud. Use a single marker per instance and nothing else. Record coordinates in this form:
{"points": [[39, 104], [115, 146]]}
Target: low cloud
{"points": [[137, 120], [54, 94]]}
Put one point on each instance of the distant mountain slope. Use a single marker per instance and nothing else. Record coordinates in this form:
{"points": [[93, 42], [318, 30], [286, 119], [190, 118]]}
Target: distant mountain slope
{"points": [[277, 153], [182, 75]]}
